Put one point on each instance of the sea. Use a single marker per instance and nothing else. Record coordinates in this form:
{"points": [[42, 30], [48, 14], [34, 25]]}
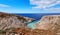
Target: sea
{"points": [[36, 16]]}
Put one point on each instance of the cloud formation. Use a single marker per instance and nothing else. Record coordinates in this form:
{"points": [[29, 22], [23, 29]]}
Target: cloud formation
{"points": [[44, 3], [3, 5]]}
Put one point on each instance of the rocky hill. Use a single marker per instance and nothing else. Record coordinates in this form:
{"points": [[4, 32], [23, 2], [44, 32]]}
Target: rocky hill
{"points": [[49, 22], [11, 20]]}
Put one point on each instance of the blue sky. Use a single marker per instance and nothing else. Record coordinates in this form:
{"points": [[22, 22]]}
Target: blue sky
{"points": [[30, 6]]}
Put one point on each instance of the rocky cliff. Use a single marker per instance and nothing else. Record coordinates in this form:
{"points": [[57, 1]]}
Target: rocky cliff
{"points": [[49, 22], [11, 20]]}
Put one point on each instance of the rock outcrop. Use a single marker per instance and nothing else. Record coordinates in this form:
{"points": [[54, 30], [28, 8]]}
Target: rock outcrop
{"points": [[11, 20], [28, 31], [49, 22]]}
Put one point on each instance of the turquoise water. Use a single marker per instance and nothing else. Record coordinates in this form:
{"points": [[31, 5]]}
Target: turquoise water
{"points": [[30, 25]]}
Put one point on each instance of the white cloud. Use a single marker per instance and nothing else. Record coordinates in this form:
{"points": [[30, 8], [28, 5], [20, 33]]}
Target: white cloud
{"points": [[4, 5], [44, 3], [53, 10]]}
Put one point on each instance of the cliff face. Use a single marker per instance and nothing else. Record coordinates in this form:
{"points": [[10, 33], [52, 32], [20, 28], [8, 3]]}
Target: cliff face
{"points": [[50, 22], [11, 20]]}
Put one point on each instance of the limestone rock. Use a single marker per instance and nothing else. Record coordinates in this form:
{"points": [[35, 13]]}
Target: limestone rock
{"points": [[11, 20], [49, 22]]}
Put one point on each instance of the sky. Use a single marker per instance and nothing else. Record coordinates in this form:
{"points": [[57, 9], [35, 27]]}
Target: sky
{"points": [[30, 6]]}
